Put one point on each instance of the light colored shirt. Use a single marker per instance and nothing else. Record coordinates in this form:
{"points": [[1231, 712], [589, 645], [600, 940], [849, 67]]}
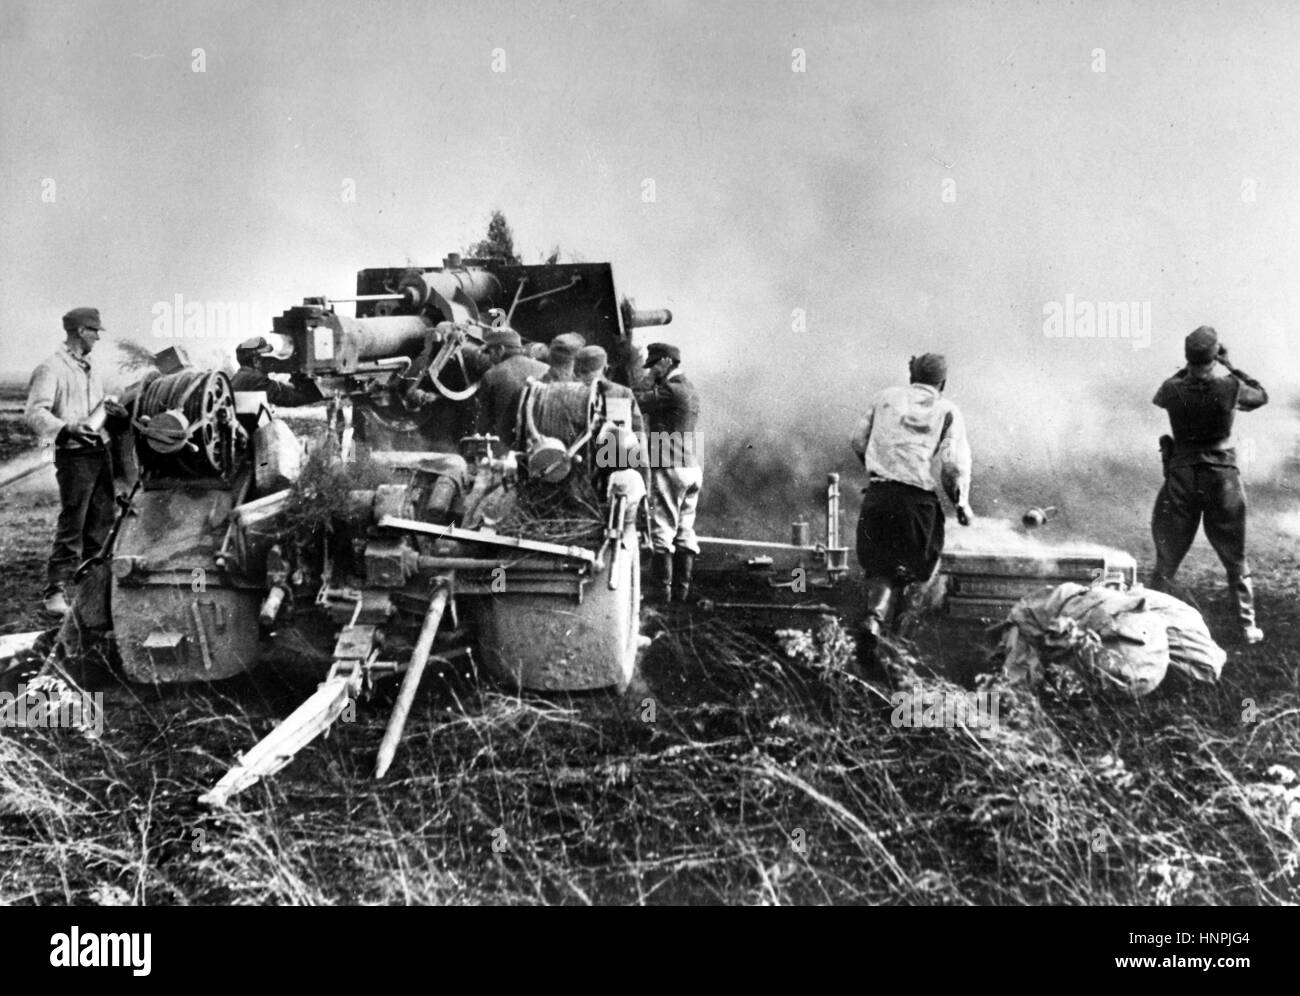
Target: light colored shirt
{"points": [[64, 390], [906, 430]]}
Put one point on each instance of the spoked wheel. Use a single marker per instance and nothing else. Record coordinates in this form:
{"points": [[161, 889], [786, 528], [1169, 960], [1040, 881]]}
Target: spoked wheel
{"points": [[215, 396]]}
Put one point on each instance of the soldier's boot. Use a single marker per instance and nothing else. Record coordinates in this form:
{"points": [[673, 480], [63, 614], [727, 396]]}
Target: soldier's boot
{"points": [[661, 578], [880, 610], [1243, 591], [683, 568]]}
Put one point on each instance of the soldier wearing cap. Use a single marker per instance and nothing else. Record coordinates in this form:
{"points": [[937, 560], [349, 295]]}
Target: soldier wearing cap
{"points": [[251, 377], [589, 366], [1201, 478], [66, 405], [560, 356], [500, 388], [901, 526], [671, 408]]}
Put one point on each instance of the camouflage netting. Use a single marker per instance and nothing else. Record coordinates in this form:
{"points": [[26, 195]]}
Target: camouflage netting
{"points": [[323, 490], [569, 512]]}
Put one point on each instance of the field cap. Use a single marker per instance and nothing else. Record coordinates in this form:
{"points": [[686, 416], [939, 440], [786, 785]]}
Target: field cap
{"points": [[502, 337], [656, 351], [1202, 345], [929, 368], [575, 339], [590, 359], [257, 344], [562, 350], [82, 318]]}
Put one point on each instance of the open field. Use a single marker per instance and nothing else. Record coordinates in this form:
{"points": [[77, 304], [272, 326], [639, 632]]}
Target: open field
{"points": [[740, 768]]}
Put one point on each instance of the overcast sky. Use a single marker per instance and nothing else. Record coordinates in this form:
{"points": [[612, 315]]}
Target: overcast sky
{"points": [[936, 177]]}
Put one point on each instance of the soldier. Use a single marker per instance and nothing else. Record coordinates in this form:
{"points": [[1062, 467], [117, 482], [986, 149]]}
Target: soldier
{"points": [[901, 527], [1201, 477], [590, 365], [500, 388], [671, 408], [561, 353], [62, 399], [251, 377]]}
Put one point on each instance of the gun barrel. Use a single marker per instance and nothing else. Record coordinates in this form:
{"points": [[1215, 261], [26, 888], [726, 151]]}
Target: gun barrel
{"points": [[639, 318], [456, 293]]}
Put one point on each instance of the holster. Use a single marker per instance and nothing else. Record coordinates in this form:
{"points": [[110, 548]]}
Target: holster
{"points": [[1166, 452]]}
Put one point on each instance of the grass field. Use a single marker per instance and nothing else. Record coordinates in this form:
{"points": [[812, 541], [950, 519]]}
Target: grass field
{"points": [[741, 767]]}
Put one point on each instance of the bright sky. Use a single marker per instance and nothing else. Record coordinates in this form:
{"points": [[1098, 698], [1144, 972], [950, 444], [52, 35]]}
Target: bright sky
{"points": [[937, 176]]}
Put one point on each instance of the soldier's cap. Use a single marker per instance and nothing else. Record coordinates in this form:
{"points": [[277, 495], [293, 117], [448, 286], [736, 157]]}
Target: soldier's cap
{"points": [[257, 344], [929, 368], [590, 359], [1202, 345], [502, 337], [562, 350], [82, 318], [656, 351], [575, 338]]}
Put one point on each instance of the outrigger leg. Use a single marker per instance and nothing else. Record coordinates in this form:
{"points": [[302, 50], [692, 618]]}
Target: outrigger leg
{"points": [[333, 697], [411, 680], [330, 700]]}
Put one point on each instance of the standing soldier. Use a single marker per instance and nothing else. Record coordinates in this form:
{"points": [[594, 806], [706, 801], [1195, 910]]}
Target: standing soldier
{"points": [[590, 366], [901, 527], [500, 388], [671, 407], [560, 355], [66, 404], [1201, 478]]}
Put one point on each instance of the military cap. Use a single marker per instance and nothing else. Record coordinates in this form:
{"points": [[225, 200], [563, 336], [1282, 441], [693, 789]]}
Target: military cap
{"points": [[502, 337], [577, 340], [590, 359], [1202, 345], [257, 344], [562, 350], [656, 351], [82, 318], [929, 368]]}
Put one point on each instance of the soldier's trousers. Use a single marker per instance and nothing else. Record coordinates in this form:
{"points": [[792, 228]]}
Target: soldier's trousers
{"points": [[1209, 495], [86, 495], [675, 492]]}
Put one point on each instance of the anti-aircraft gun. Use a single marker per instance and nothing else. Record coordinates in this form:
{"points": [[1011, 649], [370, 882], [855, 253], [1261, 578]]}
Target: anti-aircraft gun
{"points": [[422, 326], [244, 544]]}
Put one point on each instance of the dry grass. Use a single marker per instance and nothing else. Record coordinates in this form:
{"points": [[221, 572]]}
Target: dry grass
{"points": [[766, 776]]}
